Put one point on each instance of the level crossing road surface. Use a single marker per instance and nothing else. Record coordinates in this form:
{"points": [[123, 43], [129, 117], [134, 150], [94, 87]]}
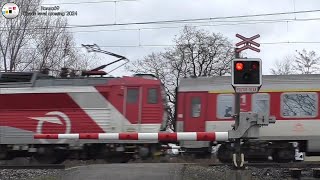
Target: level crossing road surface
{"points": [[153, 171]]}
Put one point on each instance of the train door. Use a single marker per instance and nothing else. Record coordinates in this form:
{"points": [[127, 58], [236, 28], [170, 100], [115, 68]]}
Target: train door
{"points": [[152, 110], [195, 112], [133, 104]]}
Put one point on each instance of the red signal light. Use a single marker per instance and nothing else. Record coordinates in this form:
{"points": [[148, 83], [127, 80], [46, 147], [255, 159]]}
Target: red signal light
{"points": [[239, 66], [255, 66]]}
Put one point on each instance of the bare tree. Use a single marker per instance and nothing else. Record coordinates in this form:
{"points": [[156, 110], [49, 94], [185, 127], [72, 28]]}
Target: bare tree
{"points": [[30, 43], [15, 34], [53, 47], [284, 67], [196, 53], [306, 62], [303, 63]]}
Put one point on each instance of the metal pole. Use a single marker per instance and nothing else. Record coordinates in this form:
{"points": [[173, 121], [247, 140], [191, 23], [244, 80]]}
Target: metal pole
{"points": [[237, 159], [237, 100]]}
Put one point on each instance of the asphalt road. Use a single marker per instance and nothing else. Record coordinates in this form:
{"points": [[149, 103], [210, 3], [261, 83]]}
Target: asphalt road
{"points": [[141, 171]]}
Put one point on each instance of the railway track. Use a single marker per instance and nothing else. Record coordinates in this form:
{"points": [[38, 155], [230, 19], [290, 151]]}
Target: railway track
{"points": [[205, 162]]}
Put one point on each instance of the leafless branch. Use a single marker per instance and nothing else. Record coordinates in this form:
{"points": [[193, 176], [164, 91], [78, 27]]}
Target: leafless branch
{"points": [[196, 53]]}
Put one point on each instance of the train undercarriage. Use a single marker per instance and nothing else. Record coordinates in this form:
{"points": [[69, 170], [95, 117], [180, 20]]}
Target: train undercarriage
{"points": [[53, 154], [257, 151], [254, 151]]}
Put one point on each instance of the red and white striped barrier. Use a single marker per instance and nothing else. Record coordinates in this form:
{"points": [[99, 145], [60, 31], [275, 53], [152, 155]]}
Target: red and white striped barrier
{"points": [[173, 137]]}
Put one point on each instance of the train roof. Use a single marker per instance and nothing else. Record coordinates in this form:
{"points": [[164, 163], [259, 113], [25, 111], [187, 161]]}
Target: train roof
{"points": [[37, 79], [270, 83]]}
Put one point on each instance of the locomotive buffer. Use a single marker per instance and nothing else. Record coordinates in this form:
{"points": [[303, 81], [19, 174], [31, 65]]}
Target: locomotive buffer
{"points": [[246, 78]]}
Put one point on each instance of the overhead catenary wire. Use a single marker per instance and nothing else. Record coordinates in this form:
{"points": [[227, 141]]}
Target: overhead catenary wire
{"points": [[170, 21], [217, 19], [247, 22], [172, 45], [236, 23]]}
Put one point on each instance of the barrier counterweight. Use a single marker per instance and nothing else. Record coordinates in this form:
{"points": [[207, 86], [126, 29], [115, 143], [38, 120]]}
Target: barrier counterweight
{"points": [[169, 137]]}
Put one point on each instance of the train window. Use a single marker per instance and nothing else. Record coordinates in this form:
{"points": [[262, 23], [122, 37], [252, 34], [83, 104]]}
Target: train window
{"points": [[152, 96], [195, 107], [132, 95], [299, 104], [225, 106], [261, 103]]}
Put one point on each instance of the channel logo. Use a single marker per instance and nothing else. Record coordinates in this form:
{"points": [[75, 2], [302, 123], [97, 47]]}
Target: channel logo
{"points": [[10, 10]]}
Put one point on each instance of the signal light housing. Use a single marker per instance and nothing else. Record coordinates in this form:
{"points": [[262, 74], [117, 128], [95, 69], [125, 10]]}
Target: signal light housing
{"points": [[246, 72]]}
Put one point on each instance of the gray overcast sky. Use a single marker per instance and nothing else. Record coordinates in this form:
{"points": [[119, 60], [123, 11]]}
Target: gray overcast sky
{"points": [[155, 10]]}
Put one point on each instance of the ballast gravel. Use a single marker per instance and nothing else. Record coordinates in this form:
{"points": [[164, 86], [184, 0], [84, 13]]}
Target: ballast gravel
{"points": [[31, 174], [187, 172], [191, 172]]}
